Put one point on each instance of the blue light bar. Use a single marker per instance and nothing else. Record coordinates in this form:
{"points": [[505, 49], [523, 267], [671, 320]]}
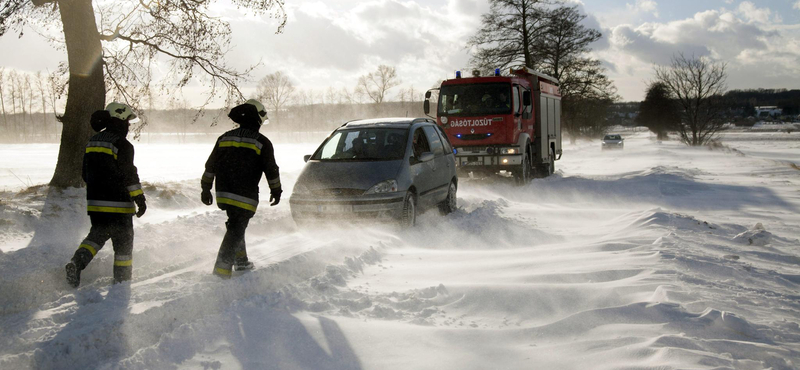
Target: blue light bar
{"points": [[497, 71], [458, 74]]}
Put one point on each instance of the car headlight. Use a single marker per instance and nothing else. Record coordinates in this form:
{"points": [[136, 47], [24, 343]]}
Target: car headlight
{"points": [[388, 186], [509, 151], [300, 189]]}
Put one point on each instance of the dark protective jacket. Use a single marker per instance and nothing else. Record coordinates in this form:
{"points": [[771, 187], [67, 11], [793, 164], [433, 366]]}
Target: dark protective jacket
{"points": [[110, 176], [239, 158]]}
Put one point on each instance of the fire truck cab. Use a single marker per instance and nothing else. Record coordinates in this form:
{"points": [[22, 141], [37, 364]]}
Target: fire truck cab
{"points": [[502, 123]]}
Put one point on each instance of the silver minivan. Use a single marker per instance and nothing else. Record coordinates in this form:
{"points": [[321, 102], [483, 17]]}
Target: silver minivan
{"points": [[377, 169]]}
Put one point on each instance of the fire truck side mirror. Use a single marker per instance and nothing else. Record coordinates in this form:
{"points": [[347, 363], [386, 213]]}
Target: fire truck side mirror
{"points": [[426, 105], [428, 94], [526, 98]]}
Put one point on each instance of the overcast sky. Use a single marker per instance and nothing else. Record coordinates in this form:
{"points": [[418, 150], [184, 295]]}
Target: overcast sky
{"points": [[332, 42]]}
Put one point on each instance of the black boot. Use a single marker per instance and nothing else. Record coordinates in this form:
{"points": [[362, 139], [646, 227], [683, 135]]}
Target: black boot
{"points": [[244, 265], [73, 274]]}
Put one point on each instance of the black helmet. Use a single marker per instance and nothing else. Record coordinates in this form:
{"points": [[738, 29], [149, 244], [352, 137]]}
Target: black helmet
{"points": [[100, 120], [251, 112]]}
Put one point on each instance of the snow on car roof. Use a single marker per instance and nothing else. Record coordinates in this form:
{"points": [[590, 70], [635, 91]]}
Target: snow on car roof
{"points": [[391, 121]]}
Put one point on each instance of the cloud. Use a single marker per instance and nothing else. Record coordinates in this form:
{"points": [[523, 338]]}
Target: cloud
{"points": [[758, 52], [332, 44], [644, 6], [753, 14], [710, 33]]}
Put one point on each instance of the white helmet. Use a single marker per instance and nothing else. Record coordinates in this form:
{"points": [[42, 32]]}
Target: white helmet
{"points": [[121, 111], [262, 113]]}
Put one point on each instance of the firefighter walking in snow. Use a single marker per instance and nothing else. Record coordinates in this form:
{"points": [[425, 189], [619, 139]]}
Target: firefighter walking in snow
{"points": [[239, 158], [112, 189]]}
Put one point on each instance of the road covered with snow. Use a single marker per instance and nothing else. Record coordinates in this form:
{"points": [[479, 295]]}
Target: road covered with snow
{"points": [[658, 256]]}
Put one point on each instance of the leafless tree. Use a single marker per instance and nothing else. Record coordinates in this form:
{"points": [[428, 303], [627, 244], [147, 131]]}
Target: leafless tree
{"points": [[56, 85], [41, 88], [375, 84], [554, 41], [698, 85], [13, 79], [566, 41], [114, 45], [510, 34], [275, 91], [31, 96], [3, 97], [332, 96]]}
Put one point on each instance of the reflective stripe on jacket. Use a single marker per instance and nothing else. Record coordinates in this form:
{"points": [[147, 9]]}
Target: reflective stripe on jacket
{"points": [[236, 163], [111, 178]]}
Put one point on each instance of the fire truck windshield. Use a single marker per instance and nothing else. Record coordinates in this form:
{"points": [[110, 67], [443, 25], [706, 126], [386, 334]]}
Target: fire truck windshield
{"points": [[475, 99]]}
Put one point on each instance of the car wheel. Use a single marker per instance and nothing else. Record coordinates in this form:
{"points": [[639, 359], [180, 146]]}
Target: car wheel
{"points": [[449, 204], [523, 173], [409, 218]]}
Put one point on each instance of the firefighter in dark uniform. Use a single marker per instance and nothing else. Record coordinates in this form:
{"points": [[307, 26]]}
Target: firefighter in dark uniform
{"points": [[239, 158], [112, 189]]}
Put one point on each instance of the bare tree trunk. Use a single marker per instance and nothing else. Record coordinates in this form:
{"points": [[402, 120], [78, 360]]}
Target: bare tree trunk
{"points": [[2, 99], [86, 91]]}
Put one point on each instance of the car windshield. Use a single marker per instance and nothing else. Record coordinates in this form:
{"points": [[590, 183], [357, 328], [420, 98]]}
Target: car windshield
{"points": [[364, 144], [475, 99], [612, 137]]}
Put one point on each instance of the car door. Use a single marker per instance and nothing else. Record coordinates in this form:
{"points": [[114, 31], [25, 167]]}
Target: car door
{"points": [[449, 154], [423, 174], [442, 170]]}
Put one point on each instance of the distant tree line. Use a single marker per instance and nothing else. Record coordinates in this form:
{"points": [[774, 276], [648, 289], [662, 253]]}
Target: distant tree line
{"points": [[28, 105], [747, 100], [292, 109]]}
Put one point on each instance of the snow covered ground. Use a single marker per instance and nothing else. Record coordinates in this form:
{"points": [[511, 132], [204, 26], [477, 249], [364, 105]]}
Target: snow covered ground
{"points": [[658, 256]]}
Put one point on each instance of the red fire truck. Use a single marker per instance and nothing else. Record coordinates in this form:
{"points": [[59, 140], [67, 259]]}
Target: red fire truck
{"points": [[502, 123]]}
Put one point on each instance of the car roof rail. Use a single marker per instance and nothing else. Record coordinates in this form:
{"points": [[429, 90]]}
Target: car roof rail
{"points": [[422, 119], [352, 120]]}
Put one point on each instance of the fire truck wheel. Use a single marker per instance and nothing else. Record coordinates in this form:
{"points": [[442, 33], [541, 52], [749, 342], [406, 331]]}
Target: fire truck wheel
{"points": [[409, 218], [449, 204], [523, 173]]}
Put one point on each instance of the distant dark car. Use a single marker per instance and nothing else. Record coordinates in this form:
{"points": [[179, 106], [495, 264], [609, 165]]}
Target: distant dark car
{"points": [[613, 141], [377, 169]]}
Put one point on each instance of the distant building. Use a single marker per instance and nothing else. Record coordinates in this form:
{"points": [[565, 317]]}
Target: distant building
{"points": [[768, 111]]}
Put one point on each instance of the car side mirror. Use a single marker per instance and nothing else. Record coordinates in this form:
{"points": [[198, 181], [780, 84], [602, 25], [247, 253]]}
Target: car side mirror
{"points": [[425, 157], [306, 157], [426, 105], [526, 98]]}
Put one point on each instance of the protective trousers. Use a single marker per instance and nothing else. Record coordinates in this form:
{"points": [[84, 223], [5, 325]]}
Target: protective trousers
{"points": [[233, 248], [118, 228]]}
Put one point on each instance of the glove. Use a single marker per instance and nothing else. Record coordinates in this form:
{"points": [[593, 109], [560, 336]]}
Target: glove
{"points": [[140, 204], [206, 197], [275, 196]]}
